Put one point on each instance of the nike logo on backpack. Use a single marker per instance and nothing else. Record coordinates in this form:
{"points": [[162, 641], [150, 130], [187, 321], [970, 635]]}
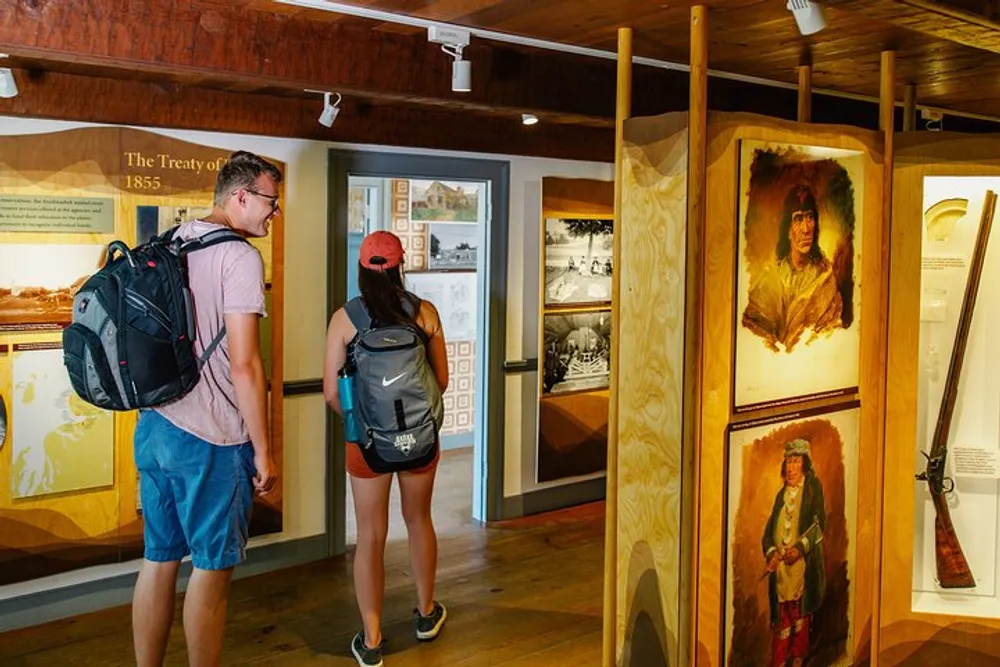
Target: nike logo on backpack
{"points": [[386, 383]]}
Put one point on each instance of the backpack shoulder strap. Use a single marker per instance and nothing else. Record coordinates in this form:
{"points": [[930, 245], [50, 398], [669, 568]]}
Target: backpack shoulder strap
{"points": [[358, 314], [203, 359], [212, 238]]}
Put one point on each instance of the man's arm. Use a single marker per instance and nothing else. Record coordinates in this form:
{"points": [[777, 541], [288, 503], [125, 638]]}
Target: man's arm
{"points": [[247, 371]]}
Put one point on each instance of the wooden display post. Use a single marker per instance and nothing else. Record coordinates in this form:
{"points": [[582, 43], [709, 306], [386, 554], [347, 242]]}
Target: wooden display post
{"points": [[912, 634]]}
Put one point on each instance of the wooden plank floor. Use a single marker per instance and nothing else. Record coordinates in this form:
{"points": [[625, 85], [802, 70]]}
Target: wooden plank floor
{"points": [[524, 593]]}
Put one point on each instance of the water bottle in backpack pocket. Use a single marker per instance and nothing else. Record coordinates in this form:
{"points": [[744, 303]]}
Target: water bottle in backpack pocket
{"points": [[345, 389], [397, 400]]}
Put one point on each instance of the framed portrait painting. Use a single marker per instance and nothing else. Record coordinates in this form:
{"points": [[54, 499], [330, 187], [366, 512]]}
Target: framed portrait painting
{"points": [[791, 538], [798, 297]]}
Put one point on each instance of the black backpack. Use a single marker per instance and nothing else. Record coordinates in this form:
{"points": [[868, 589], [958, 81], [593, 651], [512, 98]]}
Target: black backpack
{"points": [[131, 341]]}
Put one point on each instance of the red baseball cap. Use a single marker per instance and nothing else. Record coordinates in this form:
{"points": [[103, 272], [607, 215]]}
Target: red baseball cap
{"points": [[381, 251]]}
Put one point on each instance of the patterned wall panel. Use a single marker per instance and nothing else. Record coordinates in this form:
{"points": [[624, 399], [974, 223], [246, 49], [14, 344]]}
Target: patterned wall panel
{"points": [[460, 399], [412, 234]]}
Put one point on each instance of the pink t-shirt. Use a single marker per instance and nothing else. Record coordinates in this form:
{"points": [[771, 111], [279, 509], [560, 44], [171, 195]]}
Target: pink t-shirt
{"points": [[225, 278]]}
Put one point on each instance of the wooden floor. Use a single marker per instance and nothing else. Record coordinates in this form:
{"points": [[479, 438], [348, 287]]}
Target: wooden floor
{"points": [[524, 593]]}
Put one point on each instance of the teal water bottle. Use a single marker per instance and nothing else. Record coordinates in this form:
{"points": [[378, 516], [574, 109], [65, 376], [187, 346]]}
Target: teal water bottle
{"points": [[345, 387]]}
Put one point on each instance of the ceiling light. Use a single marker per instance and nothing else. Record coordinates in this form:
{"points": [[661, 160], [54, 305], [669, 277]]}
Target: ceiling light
{"points": [[453, 40], [8, 86], [330, 111], [529, 118], [808, 15]]}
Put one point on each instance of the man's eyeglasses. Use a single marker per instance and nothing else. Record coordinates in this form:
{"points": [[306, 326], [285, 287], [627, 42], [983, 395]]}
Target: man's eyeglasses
{"points": [[271, 198]]}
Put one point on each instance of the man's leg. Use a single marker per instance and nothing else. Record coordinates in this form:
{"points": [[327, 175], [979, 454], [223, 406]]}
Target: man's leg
{"points": [[153, 611], [205, 615]]}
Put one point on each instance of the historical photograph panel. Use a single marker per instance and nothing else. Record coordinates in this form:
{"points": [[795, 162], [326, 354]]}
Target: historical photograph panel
{"points": [[577, 354], [452, 247], [578, 260]]}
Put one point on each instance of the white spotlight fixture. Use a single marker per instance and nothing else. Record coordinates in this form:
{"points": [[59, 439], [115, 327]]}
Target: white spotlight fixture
{"points": [[452, 41], [330, 111], [529, 118], [808, 15], [8, 86]]}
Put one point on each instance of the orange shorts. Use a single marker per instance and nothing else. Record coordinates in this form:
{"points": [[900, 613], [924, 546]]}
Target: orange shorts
{"points": [[358, 467]]}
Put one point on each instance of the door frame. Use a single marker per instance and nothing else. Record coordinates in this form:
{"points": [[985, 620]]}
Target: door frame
{"points": [[488, 502]]}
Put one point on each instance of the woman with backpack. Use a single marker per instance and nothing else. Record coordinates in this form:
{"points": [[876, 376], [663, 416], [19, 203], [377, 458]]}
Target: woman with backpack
{"points": [[393, 413]]}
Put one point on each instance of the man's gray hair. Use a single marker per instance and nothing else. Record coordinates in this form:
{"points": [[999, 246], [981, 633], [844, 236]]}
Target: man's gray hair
{"points": [[242, 170]]}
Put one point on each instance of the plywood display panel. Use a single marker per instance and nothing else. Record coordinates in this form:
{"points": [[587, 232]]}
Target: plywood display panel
{"points": [[574, 337], [726, 132], [72, 500], [920, 624], [650, 388]]}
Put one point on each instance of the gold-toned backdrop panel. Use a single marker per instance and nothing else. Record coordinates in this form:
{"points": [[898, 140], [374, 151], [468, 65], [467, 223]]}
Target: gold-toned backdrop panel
{"points": [[64, 196]]}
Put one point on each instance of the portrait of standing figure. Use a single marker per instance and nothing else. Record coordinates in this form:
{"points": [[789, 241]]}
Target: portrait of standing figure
{"points": [[798, 264], [793, 552], [792, 539]]}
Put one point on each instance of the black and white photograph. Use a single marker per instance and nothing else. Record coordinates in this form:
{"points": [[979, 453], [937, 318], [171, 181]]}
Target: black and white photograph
{"points": [[577, 352], [578, 260], [452, 247]]}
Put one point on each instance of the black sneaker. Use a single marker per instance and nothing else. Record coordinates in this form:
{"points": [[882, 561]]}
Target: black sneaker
{"points": [[428, 627], [366, 657]]}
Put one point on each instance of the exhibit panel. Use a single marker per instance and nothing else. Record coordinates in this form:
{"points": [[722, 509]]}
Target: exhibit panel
{"points": [[940, 599], [789, 347], [650, 390], [70, 497], [575, 328]]}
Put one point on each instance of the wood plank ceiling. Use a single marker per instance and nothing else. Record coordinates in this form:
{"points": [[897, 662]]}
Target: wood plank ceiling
{"points": [[951, 50]]}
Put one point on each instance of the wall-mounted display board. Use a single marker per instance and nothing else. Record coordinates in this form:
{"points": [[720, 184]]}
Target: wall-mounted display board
{"points": [[791, 538], [939, 589], [787, 333], [68, 485], [575, 327], [798, 263]]}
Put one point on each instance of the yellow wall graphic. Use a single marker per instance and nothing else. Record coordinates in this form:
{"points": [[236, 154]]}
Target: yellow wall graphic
{"points": [[68, 488]]}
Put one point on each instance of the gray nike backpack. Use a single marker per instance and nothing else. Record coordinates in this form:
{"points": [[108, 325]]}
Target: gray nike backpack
{"points": [[397, 400]]}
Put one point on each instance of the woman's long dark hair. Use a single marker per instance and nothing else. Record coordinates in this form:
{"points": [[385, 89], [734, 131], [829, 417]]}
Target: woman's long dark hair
{"points": [[383, 293]]}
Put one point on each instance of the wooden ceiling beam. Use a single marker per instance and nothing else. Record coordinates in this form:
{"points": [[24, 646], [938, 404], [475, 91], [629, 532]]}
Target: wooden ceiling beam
{"points": [[933, 19], [63, 96], [216, 42]]}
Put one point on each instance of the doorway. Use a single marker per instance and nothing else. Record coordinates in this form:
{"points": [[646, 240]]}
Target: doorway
{"points": [[451, 215]]}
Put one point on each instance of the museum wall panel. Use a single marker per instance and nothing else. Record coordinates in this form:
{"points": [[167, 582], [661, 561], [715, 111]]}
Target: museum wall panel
{"points": [[939, 597], [650, 387], [790, 367]]}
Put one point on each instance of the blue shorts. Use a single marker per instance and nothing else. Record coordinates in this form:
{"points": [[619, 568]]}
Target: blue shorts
{"points": [[196, 497]]}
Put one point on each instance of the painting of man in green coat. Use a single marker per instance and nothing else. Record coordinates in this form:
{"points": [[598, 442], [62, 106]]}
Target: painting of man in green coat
{"points": [[793, 552]]}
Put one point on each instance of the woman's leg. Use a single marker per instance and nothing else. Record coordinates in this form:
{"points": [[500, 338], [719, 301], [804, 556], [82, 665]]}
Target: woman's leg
{"points": [[415, 491], [371, 509]]}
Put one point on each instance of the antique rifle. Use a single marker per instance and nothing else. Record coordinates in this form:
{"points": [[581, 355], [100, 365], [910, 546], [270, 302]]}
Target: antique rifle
{"points": [[952, 568]]}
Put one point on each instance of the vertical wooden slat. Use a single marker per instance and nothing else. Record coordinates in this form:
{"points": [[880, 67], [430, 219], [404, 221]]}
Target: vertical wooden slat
{"points": [[805, 94], [887, 124], [623, 110], [910, 108], [697, 165]]}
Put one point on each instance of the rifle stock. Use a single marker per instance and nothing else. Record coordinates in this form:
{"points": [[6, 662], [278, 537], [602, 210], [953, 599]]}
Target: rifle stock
{"points": [[952, 568]]}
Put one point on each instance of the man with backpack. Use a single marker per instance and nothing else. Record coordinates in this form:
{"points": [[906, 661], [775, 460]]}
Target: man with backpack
{"points": [[202, 456]]}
